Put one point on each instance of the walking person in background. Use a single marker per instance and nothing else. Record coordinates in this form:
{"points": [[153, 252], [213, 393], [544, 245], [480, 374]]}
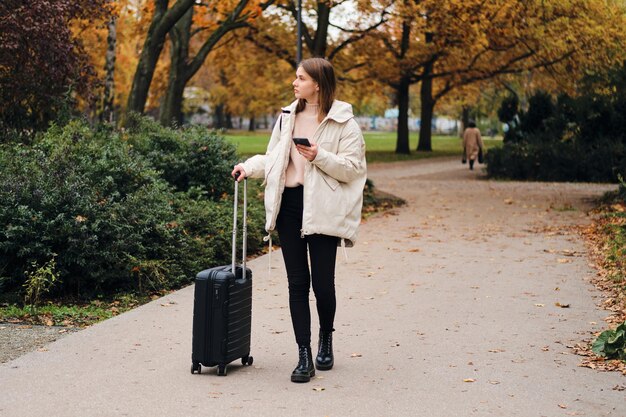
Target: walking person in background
{"points": [[314, 171], [472, 144]]}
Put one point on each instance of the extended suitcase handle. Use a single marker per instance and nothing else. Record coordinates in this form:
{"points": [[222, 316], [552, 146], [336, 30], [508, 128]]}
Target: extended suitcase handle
{"points": [[245, 226]]}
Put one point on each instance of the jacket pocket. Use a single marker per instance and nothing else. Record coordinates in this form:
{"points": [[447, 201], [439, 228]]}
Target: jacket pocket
{"points": [[330, 181]]}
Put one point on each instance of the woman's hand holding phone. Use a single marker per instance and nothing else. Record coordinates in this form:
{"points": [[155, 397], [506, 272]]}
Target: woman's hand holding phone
{"points": [[306, 148]]}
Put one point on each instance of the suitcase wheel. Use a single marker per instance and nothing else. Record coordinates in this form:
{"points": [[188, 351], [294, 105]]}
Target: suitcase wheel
{"points": [[196, 367], [221, 370], [247, 360]]}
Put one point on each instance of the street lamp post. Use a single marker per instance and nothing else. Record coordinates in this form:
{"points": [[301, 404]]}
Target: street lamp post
{"points": [[299, 30]]}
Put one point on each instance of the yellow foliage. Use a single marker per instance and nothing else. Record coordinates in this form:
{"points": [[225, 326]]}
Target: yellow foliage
{"points": [[475, 40], [551, 42], [246, 81]]}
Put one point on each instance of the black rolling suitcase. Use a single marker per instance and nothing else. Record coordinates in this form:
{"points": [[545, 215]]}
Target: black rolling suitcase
{"points": [[222, 309]]}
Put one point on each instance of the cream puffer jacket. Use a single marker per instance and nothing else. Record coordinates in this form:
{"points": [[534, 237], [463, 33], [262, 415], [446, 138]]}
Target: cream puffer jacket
{"points": [[333, 181]]}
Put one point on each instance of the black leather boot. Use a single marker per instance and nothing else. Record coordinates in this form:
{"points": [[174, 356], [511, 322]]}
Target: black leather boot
{"points": [[305, 369], [471, 164], [325, 360]]}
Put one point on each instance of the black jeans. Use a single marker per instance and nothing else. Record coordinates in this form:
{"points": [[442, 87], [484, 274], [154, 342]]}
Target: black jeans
{"points": [[323, 253]]}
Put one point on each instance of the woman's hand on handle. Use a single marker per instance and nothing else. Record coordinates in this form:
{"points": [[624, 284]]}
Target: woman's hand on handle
{"points": [[238, 173]]}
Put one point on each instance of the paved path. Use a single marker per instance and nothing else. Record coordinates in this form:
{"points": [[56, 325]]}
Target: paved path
{"points": [[445, 308]]}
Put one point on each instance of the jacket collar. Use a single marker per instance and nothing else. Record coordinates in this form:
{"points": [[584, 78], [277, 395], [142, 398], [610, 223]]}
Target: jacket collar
{"points": [[340, 111]]}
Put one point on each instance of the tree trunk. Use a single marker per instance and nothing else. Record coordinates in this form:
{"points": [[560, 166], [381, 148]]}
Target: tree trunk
{"points": [[162, 22], [428, 104], [218, 117], [109, 68], [321, 34], [426, 116], [171, 111], [251, 126], [465, 117], [402, 95], [184, 67]]}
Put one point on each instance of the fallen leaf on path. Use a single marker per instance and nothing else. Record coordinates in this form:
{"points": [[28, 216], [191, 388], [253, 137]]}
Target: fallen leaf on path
{"points": [[561, 305], [496, 350], [469, 380], [413, 250], [563, 261], [356, 355], [562, 406], [319, 389], [494, 382], [540, 305], [508, 201]]}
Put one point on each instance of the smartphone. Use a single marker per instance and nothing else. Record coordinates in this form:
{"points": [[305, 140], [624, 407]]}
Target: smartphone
{"points": [[301, 141]]}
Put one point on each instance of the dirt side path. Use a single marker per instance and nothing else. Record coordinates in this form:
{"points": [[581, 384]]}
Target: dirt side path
{"points": [[446, 307], [17, 340]]}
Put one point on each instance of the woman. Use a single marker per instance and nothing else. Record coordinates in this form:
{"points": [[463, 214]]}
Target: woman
{"points": [[313, 198], [472, 143]]}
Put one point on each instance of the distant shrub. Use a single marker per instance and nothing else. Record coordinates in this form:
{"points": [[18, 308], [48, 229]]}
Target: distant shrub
{"points": [[559, 161]]}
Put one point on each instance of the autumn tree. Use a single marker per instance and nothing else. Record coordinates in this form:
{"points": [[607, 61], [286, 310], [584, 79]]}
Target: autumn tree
{"points": [[559, 42], [41, 61], [239, 80], [109, 68], [193, 37], [113, 43], [453, 43], [162, 21], [274, 32]]}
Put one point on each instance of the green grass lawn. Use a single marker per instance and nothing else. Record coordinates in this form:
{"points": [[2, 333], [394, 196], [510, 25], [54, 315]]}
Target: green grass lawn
{"points": [[380, 145]]}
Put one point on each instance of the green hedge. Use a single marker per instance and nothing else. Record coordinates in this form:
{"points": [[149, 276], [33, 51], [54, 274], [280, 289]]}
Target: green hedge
{"points": [[580, 138], [107, 211], [560, 161], [185, 158]]}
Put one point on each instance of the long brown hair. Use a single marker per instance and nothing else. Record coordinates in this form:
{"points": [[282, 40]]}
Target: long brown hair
{"points": [[323, 73]]}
